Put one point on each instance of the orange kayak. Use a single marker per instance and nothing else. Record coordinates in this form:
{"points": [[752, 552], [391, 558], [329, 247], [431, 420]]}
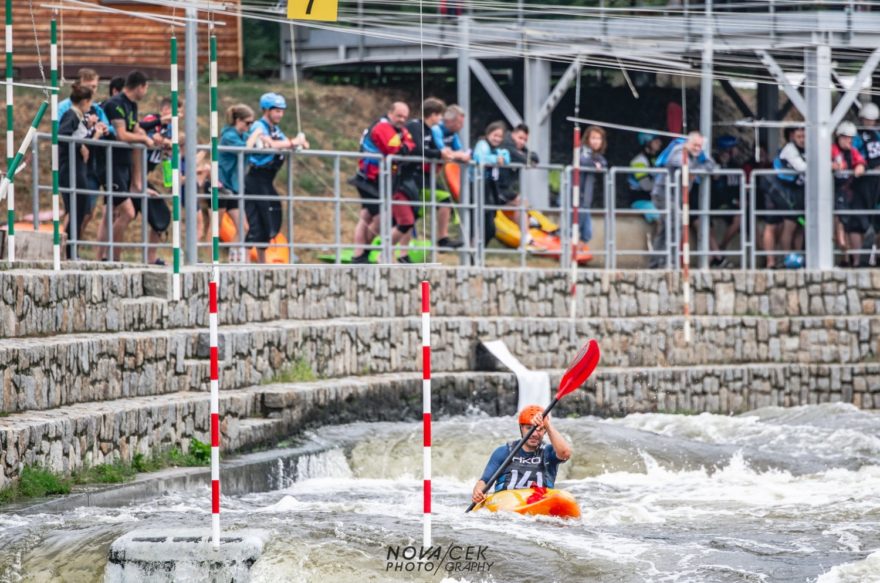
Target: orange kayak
{"points": [[533, 501]]}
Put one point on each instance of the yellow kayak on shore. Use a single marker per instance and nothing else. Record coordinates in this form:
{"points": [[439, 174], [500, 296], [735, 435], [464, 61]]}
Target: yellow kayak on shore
{"points": [[533, 501]]}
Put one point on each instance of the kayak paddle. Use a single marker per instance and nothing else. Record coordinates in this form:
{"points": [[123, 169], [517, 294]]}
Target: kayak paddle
{"points": [[575, 375]]}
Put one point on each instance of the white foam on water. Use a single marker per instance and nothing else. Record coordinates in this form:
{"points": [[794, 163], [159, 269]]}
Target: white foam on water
{"points": [[864, 571]]}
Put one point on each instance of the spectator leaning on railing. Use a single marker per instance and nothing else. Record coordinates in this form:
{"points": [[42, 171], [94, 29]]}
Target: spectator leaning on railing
{"points": [[848, 165], [785, 192], [592, 155], [76, 123], [868, 143], [264, 215], [239, 119], [122, 111], [489, 151], [420, 129], [671, 159], [447, 140], [387, 136]]}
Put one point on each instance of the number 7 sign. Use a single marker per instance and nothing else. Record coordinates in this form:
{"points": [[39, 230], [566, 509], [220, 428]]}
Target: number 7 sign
{"points": [[313, 10]]}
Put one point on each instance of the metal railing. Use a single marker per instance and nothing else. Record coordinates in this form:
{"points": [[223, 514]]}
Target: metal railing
{"points": [[472, 208]]}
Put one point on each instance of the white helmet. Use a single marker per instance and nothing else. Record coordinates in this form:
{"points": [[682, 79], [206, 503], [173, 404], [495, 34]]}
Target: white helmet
{"points": [[846, 128], [870, 111]]}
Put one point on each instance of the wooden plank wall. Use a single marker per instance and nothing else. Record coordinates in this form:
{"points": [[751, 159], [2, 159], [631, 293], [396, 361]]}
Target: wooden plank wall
{"points": [[114, 44]]}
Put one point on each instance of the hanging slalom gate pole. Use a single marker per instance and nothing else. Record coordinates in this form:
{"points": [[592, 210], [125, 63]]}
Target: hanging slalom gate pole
{"points": [[215, 160], [575, 227], [10, 137], [56, 211], [214, 284], [685, 242], [6, 184], [426, 410], [175, 174]]}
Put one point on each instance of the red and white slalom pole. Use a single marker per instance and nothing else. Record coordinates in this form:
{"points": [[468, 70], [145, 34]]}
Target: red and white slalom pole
{"points": [[426, 409], [575, 206], [685, 242], [215, 417]]}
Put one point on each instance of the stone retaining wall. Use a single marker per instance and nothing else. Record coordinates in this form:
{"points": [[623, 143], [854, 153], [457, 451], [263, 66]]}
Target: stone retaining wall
{"points": [[37, 302], [47, 373]]}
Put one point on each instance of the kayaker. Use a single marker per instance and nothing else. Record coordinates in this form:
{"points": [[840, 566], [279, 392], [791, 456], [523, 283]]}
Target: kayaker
{"points": [[535, 464]]}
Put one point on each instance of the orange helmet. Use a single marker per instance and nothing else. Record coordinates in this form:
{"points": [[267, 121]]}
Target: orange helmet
{"points": [[528, 413]]}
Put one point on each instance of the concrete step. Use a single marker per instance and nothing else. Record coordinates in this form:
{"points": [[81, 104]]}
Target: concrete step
{"points": [[45, 373], [102, 298], [65, 438]]}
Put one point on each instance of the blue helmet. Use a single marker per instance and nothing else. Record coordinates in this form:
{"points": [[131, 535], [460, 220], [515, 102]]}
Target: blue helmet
{"points": [[645, 138], [272, 101], [727, 142]]}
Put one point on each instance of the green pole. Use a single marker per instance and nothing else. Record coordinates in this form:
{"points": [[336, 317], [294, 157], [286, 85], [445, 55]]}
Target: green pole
{"points": [[175, 172], [56, 211]]}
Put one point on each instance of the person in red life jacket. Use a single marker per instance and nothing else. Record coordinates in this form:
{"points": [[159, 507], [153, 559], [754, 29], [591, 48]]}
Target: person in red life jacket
{"points": [[388, 136], [535, 464], [848, 164]]}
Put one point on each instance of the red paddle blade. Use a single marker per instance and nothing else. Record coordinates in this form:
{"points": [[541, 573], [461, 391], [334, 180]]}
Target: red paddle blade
{"points": [[580, 369]]}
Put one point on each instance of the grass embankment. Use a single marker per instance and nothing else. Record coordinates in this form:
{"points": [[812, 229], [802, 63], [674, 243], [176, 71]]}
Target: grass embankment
{"points": [[37, 482]]}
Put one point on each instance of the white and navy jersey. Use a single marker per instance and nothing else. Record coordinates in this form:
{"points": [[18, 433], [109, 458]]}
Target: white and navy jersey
{"points": [[868, 143]]}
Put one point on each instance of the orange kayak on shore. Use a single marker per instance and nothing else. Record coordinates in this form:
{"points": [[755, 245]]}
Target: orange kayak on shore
{"points": [[533, 501]]}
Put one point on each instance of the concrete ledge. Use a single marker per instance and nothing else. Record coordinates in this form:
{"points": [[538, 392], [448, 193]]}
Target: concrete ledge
{"points": [[183, 554]]}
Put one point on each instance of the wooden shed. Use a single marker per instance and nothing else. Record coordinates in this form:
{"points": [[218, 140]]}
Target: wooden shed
{"points": [[114, 44]]}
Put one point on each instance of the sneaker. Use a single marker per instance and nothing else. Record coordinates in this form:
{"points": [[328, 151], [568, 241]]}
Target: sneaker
{"points": [[404, 259], [448, 243], [159, 261], [361, 259]]}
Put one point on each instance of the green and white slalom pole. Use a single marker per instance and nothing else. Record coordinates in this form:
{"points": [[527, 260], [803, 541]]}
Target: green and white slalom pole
{"points": [[215, 164], [10, 137], [6, 184], [175, 174], [56, 212], [213, 293]]}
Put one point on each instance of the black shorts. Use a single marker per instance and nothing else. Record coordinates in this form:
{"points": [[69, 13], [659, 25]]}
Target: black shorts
{"points": [[869, 195], [227, 200], [121, 183], [369, 192], [847, 198], [782, 196], [264, 216], [158, 213]]}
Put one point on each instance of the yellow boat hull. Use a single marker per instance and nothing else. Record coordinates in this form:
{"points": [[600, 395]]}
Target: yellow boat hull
{"points": [[553, 503]]}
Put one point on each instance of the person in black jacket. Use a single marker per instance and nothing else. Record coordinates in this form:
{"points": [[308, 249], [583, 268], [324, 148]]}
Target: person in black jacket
{"points": [[76, 123], [420, 129]]}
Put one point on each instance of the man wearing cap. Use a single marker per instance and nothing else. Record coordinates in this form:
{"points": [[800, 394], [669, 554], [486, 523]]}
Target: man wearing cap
{"points": [[264, 214], [535, 463]]}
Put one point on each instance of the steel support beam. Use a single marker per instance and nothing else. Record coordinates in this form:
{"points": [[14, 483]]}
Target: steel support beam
{"points": [[737, 99], [850, 96], [561, 88], [706, 86], [819, 185], [495, 92], [464, 78], [773, 67], [190, 123], [768, 109], [537, 89]]}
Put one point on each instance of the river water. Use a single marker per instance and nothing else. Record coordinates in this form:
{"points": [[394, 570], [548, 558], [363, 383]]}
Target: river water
{"points": [[773, 495]]}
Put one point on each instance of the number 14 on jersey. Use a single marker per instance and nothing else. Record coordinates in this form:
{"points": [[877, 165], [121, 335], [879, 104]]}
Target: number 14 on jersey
{"points": [[313, 10]]}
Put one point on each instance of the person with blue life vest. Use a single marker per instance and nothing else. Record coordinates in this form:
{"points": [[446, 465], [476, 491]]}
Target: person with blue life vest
{"points": [[239, 120], [641, 183], [868, 143], [785, 192], [671, 158], [447, 140], [488, 151], [264, 213], [535, 463], [387, 136]]}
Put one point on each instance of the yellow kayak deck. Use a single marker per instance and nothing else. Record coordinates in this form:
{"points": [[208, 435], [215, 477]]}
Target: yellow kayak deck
{"points": [[553, 502]]}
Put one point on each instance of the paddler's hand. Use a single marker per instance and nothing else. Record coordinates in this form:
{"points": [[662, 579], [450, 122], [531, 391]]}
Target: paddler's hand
{"points": [[478, 496], [539, 421]]}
